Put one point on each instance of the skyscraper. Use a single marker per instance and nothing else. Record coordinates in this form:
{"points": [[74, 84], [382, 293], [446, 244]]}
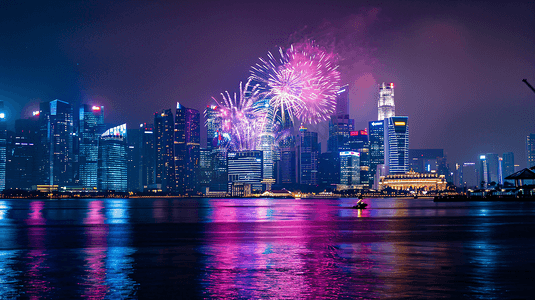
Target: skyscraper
{"points": [[308, 154], [339, 124], [163, 147], [287, 165], [112, 160], [186, 149], [530, 150], [358, 142], [397, 145], [508, 165], [490, 169], [91, 125], [148, 153], [386, 107], [3, 146], [376, 133], [21, 169], [470, 176], [134, 159], [213, 125], [245, 167], [56, 130], [349, 168]]}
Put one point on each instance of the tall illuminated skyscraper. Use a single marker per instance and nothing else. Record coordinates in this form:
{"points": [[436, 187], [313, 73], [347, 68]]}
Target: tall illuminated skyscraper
{"points": [[213, 124], [148, 163], [187, 149], [308, 156], [22, 164], [340, 124], [386, 107], [376, 133], [163, 147], [112, 160], [397, 145], [56, 129], [245, 167], [3, 146], [91, 125], [349, 168]]}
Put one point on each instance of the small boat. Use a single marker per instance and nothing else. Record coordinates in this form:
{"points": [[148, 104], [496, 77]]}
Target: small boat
{"points": [[360, 205]]}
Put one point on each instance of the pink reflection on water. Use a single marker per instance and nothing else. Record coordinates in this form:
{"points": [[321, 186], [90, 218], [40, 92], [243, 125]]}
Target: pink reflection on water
{"points": [[36, 286], [94, 282], [159, 211]]}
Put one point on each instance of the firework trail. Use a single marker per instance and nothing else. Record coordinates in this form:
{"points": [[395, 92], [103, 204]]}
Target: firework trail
{"points": [[301, 84], [242, 117]]}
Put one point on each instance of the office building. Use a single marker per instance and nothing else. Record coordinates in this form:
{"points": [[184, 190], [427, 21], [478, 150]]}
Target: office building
{"points": [[490, 170], [307, 160], [397, 145], [349, 168], [186, 149], [386, 107], [3, 146], [470, 176], [328, 169], [508, 165], [339, 124], [213, 126], [245, 167], [112, 160], [414, 181], [21, 167], [163, 146], [429, 161], [148, 154], [376, 134], [358, 142], [90, 127], [134, 159], [530, 150], [56, 131], [287, 166]]}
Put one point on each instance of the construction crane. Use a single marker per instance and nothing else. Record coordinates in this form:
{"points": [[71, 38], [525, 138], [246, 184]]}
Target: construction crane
{"points": [[526, 82]]}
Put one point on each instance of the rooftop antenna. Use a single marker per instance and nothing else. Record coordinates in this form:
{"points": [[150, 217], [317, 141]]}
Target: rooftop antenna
{"points": [[526, 82]]}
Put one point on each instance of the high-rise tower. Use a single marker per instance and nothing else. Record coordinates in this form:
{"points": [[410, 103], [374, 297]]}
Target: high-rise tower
{"points": [[187, 149], [112, 161], [386, 105], [163, 146], [397, 145], [91, 122]]}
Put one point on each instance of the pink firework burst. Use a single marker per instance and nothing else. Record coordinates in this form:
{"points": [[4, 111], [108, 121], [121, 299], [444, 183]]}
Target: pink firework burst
{"points": [[301, 84]]}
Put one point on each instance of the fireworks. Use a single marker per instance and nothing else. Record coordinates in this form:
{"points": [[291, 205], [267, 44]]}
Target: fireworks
{"points": [[301, 84], [242, 117]]}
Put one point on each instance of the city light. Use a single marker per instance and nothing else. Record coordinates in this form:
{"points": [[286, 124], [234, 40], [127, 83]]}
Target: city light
{"points": [[97, 108]]}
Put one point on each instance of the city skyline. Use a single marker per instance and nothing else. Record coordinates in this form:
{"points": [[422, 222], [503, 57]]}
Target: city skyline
{"points": [[430, 55]]}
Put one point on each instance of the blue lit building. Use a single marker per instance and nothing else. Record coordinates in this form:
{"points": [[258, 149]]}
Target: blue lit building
{"points": [[349, 168], [148, 163], [358, 142], [112, 160], [490, 169], [164, 172], [3, 146], [397, 145], [245, 167], [187, 149], [91, 125], [21, 167], [376, 135], [308, 156], [56, 155]]}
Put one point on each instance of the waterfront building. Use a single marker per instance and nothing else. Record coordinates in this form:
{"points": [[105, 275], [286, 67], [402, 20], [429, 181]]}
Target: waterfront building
{"points": [[148, 153], [90, 127], [328, 169], [397, 145], [386, 107], [470, 176], [186, 148], [490, 170], [213, 126], [206, 171], [530, 150], [358, 142], [134, 159], [56, 134], [414, 181], [287, 166], [21, 166], [3, 146], [163, 145], [376, 134], [349, 168], [508, 165], [339, 123], [112, 160], [307, 160], [245, 167]]}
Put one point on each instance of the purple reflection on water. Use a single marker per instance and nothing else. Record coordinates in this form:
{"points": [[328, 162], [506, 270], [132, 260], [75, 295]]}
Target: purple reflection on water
{"points": [[95, 252]]}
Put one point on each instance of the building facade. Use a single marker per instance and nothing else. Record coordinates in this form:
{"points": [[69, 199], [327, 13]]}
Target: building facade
{"points": [[164, 134], [397, 145], [112, 160], [245, 167], [414, 181], [90, 127], [349, 168], [308, 154], [385, 105]]}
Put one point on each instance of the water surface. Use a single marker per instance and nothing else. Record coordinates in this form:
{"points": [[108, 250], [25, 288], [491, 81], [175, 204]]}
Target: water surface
{"points": [[265, 248]]}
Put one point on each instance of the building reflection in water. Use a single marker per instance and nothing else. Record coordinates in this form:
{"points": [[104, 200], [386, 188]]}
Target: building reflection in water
{"points": [[37, 285], [8, 256], [258, 248], [108, 261]]}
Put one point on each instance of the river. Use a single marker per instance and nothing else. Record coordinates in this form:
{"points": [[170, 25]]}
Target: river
{"points": [[197, 248]]}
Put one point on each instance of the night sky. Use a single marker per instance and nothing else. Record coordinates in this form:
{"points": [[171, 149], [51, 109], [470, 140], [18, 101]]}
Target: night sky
{"points": [[457, 66]]}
